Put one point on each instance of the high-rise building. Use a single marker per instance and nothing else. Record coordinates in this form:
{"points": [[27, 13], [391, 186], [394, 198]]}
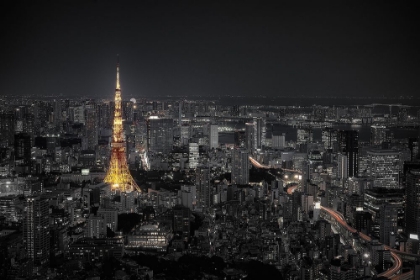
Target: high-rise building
{"points": [[202, 182], [185, 134], [104, 118], [194, 155], [57, 113], [412, 206], [182, 221], [304, 136], [36, 232], [7, 129], [329, 137], [383, 166], [342, 167], [348, 142], [278, 141], [240, 167], [250, 137], [110, 216], [260, 131], [91, 126], [378, 134], [22, 148], [96, 226], [214, 136], [160, 134], [388, 222]]}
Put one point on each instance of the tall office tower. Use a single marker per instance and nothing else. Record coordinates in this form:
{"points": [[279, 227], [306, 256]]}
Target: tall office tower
{"points": [[260, 132], [193, 155], [383, 166], [278, 141], [348, 142], [329, 137], [79, 114], [185, 134], [160, 134], [250, 137], [22, 149], [378, 134], [412, 206], [104, 116], [214, 136], [182, 221], [110, 216], [118, 174], [202, 183], [127, 110], [36, 232], [304, 136], [91, 125], [96, 226], [240, 167], [342, 167], [57, 113], [388, 222], [7, 129]]}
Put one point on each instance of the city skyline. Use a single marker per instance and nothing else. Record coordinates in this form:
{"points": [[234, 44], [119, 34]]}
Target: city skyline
{"points": [[240, 140], [218, 49]]}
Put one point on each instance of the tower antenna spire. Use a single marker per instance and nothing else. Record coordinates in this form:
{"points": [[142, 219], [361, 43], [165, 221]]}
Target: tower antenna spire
{"points": [[118, 72]]}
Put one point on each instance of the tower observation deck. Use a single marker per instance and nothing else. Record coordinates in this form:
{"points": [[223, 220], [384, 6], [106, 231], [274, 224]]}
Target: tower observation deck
{"points": [[118, 174]]}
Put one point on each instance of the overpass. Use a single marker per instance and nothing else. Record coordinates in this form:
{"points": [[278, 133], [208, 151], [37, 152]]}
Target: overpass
{"points": [[396, 267]]}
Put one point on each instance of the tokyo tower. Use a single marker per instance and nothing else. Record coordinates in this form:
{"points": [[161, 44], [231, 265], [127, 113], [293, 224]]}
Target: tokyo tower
{"points": [[118, 174]]}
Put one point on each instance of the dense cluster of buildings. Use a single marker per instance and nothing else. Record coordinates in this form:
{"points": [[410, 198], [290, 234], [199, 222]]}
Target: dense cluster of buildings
{"points": [[253, 180]]}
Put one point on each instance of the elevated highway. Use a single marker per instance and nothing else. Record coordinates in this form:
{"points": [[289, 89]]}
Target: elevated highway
{"points": [[396, 267]]}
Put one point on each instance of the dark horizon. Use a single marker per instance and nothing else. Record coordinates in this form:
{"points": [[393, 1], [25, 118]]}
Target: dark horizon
{"points": [[211, 48]]}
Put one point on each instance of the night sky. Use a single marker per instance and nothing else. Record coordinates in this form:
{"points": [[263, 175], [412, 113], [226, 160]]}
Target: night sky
{"points": [[185, 48]]}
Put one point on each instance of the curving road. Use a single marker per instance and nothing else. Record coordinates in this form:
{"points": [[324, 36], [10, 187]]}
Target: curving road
{"points": [[256, 164], [397, 259]]}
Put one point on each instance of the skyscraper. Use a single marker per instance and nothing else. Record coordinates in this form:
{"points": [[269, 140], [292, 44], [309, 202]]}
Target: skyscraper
{"points": [[348, 142], [182, 221], [91, 125], [214, 136], [36, 233], [160, 134], [7, 129], [240, 167], [202, 182], [378, 134], [22, 148], [412, 206], [388, 222], [383, 166], [193, 152], [250, 137], [260, 132]]}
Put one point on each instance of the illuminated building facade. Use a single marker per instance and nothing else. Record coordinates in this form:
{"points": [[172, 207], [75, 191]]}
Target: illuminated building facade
{"points": [[240, 168], [150, 237], [36, 231], [118, 174], [384, 168], [412, 207]]}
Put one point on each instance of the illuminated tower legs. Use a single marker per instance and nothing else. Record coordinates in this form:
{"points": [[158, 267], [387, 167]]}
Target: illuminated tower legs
{"points": [[118, 174]]}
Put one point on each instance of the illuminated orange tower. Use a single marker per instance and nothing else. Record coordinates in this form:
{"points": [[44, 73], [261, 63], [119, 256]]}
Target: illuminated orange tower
{"points": [[118, 174]]}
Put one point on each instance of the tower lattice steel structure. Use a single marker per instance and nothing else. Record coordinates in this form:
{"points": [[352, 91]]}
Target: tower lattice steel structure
{"points": [[118, 174]]}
